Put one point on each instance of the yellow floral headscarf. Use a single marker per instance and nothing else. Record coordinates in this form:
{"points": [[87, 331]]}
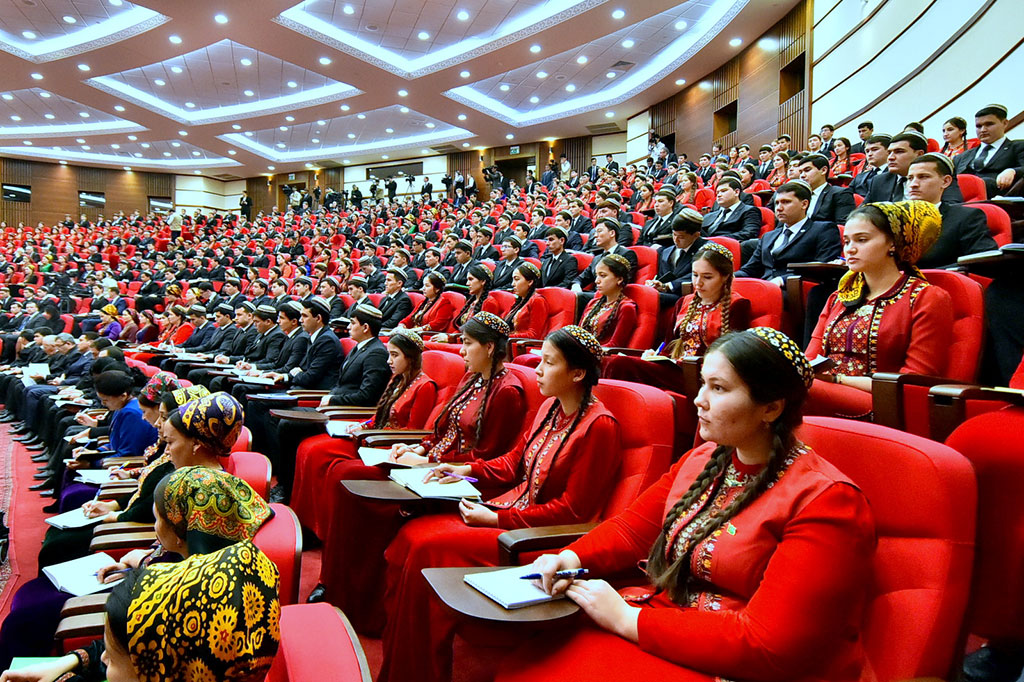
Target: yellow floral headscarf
{"points": [[213, 617], [915, 227]]}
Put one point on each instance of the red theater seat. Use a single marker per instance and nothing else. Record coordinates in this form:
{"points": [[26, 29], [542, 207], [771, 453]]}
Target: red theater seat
{"points": [[280, 538], [765, 301], [647, 307], [972, 187], [333, 654]]}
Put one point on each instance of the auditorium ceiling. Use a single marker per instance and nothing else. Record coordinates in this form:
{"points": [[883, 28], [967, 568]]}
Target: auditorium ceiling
{"points": [[236, 88]]}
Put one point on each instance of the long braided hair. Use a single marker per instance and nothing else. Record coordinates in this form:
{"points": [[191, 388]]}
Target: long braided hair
{"points": [[723, 265], [401, 381], [619, 267], [438, 282], [476, 304], [530, 273], [769, 376]]}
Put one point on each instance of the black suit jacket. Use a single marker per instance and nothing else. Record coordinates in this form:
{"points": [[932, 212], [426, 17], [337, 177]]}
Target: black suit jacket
{"points": [[834, 205], [964, 231], [861, 183], [884, 188], [683, 269], [394, 309], [587, 277], [363, 376], [657, 230], [461, 272], [243, 344], [375, 282], [267, 346], [1009, 155], [560, 273], [503, 273], [289, 355], [323, 355], [581, 224], [744, 222], [200, 336], [817, 241]]}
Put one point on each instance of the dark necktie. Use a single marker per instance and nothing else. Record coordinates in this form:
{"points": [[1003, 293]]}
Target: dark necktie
{"points": [[721, 219], [782, 240], [897, 189], [982, 157]]}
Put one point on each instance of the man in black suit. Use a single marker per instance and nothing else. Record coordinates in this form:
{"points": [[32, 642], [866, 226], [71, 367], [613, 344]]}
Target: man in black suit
{"points": [[657, 231], [558, 267], [464, 260], [593, 172], [675, 263], [705, 170], [374, 275], [289, 355], [203, 327], [998, 160], [764, 162], [395, 305], [264, 345], [829, 203], [865, 130], [510, 260], [579, 223], [964, 229], [892, 186], [797, 238], [606, 234], [876, 153], [330, 287], [610, 164], [827, 143], [733, 218], [484, 250], [245, 205]]}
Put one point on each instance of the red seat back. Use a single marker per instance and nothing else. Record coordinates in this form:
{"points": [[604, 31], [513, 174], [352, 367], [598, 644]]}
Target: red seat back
{"points": [[505, 301], [446, 369], [998, 223], [561, 306], [645, 416], [912, 619], [68, 322], [280, 538], [993, 445], [767, 220], [528, 378], [765, 301], [333, 654], [968, 323], [647, 306], [251, 467], [972, 187], [646, 263], [244, 441]]}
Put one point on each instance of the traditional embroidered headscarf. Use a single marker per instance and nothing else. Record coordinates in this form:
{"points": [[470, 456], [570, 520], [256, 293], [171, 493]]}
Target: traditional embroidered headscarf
{"points": [[208, 507], [789, 350], [215, 420], [188, 393], [109, 309], [492, 321], [717, 248], [158, 384], [210, 617], [915, 226], [585, 339]]}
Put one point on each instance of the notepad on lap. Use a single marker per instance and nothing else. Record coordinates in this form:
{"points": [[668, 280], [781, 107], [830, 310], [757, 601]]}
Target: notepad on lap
{"points": [[413, 480], [75, 518], [78, 576], [95, 476], [508, 589], [339, 429]]}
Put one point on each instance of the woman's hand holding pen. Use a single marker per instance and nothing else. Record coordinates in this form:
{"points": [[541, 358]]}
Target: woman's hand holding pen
{"points": [[109, 574], [549, 564], [448, 473]]}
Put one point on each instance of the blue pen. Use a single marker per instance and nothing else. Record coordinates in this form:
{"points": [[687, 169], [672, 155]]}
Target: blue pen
{"points": [[660, 348], [571, 573], [120, 570]]}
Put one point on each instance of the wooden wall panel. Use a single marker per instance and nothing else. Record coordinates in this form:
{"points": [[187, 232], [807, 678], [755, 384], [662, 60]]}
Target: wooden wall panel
{"points": [[261, 192], [55, 190], [576, 149]]}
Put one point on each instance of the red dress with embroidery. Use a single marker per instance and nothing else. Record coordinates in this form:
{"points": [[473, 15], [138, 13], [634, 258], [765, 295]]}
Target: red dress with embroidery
{"points": [[359, 530], [907, 329], [570, 489], [316, 455], [776, 593], [437, 319], [531, 320], [610, 331]]}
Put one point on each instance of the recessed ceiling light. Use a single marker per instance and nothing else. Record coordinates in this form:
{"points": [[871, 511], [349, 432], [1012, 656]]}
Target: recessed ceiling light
{"points": [[198, 172], [345, 107], [404, 110], [319, 123], [465, 144], [83, 114], [609, 114], [618, 14], [283, 129], [534, 99], [430, 125], [130, 137], [348, 9], [127, 168], [535, 48], [160, 82], [582, 59], [384, 156], [235, 126], [289, 118], [509, 136], [83, 67], [190, 105], [183, 133], [325, 60], [8, 96], [175, 144], [680, 25], [37, 76], [232, 152], [45, 95], [176, 69], [115, 3], [424, 151], [248, 93], [309, 165], [423, 35], [315, 140], [360, 116], [735, 42], [504, 87], [81, 141], [292, 84], [270, 168], [280, 145], [28, 35], [351, 136], [115, 146], [167, 153], [15, 118], [144, 145], [49, 116], [68, 19], [463, 15], [245, 61], [175, 39], [610, 74], [118, 107], [542, 74], [464, 74], [628, 43], [389, 130], [28, 142], [220, 18], [346, 160], [570, 88], [403, 93], [680, 81], [86, 147], [63, 163]]}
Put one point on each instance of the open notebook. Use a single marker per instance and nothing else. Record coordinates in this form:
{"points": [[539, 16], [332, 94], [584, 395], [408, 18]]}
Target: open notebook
{"points": [[78, 576], [338, 428], [508, 589], [75, 518], [413, 480]]}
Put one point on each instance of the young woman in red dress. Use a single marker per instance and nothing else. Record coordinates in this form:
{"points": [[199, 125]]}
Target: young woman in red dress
{"points": [[954, 134], [435, 313], [562, 472], [405, 404], [611, 315], [483, 419], [841, 164], [527, 318], [478, 299], [779, 174], [713, 309], [757, 552], [884, 317]]}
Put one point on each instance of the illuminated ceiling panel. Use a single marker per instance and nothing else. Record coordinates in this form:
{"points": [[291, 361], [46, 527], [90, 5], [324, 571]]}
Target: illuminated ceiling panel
{"points": [[165, 154], [35, 112]]}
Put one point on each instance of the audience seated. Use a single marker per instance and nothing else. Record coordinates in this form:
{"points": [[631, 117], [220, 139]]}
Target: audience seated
{"points": [[998, 160]]}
